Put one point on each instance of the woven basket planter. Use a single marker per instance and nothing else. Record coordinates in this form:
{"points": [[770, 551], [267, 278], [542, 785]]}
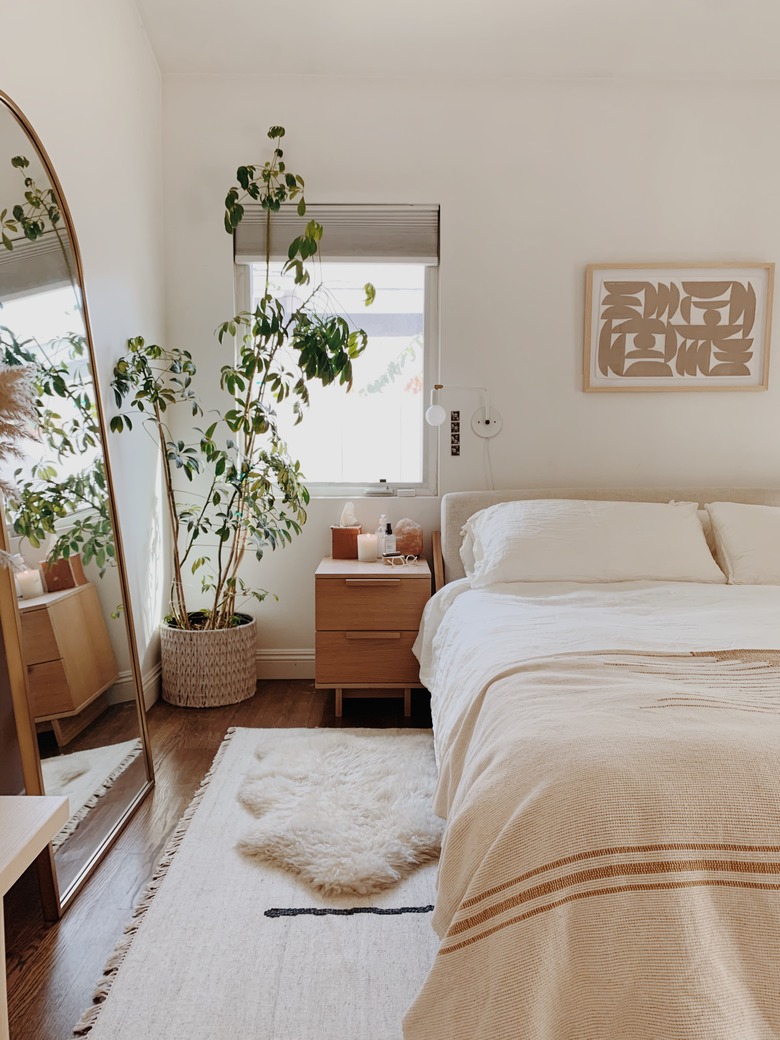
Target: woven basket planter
{"points": [[207, 669]]}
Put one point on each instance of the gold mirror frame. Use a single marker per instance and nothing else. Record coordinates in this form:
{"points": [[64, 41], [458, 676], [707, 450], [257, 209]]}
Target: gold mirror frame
{"points": [[54, 901]]}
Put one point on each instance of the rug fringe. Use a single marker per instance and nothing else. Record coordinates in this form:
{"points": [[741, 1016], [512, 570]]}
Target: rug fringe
{"points": [[72, 825], [114, 962]]}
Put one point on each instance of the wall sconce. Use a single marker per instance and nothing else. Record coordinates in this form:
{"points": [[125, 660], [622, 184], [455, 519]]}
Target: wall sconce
{"points": [[485, 422]]}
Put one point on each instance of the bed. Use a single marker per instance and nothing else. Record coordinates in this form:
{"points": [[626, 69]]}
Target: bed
{"points": [[609, 773]]}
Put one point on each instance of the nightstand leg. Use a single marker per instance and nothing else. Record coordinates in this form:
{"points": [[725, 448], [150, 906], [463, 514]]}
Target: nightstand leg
{"points": [[407, 703], [338, 703]]}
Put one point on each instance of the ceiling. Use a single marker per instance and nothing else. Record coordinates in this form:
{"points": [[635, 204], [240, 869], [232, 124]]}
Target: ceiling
{"points": [[455, 39]]}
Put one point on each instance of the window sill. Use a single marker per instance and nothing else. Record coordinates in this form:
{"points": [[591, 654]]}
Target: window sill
{"points": [[358, 491]]}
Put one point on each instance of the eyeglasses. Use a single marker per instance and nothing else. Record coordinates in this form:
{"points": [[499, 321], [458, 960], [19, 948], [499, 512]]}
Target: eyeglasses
{"points": [[399, 561]]}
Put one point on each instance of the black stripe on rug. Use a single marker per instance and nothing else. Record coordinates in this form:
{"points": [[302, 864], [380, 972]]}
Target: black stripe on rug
{"points": [[320, 911]]}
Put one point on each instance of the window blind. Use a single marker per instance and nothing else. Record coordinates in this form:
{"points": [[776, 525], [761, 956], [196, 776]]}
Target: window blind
{"points": [[34, 267], [383, 234]]}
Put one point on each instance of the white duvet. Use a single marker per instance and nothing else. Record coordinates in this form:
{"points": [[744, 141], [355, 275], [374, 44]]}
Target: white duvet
{"points": [[609, 770], [469, 636]]}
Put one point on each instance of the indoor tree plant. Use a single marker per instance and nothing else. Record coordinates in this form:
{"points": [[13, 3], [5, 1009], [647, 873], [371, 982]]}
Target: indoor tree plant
{"points": [[245, 494]]}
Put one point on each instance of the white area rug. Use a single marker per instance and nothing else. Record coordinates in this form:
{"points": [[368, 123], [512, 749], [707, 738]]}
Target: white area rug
{"points": [[336, 809], [224, 947], [85, 776]]}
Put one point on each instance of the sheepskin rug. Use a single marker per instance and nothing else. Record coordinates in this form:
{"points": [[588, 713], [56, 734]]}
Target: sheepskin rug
{"points": [[349, 811]]}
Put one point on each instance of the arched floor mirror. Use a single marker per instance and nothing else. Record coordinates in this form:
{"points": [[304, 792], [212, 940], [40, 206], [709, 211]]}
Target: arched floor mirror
{"points": [[67, 625]]}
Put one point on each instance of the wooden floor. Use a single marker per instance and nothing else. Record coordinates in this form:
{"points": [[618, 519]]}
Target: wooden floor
{"points": [[52, 969]]}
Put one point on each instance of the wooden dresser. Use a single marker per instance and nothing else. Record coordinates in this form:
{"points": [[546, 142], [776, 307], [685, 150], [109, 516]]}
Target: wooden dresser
{"points": [[366, 617], [69, 657]]}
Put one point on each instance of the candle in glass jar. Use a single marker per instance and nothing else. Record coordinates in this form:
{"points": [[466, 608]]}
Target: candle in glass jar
{"points": [[367, 547], [29, 582]]}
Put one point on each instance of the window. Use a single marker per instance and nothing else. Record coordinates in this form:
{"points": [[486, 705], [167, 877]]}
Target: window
{"points": [[375, 432]]}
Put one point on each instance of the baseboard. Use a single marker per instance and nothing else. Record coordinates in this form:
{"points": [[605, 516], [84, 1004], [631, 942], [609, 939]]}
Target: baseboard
{"points": [[285, 664], [271, 664], [124, 687]]}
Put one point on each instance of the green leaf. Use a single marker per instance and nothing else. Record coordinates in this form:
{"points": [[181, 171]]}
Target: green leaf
{"points": [[294, 247]]}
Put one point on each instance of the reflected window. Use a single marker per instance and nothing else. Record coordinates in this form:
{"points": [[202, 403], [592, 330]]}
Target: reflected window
{"points": [[42, 326]]}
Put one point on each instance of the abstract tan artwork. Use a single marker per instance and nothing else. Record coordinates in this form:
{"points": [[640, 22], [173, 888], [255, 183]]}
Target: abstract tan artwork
{"points": [[688, 327]]}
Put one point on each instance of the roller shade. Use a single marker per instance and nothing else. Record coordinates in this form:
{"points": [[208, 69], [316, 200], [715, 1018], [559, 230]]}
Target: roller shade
{"points": [[384, 234], [34, 267]]}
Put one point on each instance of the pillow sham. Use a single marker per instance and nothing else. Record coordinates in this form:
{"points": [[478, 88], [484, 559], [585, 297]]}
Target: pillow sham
{"points": [[709, 534], [747, 542], [706, 523], [587, 541]]}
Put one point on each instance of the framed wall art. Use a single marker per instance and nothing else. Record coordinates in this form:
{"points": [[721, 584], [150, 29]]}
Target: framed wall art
{"points": [[677, 326]]}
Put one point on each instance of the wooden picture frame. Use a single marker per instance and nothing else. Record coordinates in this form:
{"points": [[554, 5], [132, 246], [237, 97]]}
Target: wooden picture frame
{"points": [[677, 326]]}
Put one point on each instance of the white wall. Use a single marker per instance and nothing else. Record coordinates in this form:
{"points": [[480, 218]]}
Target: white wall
{"points": [[535, 180], [85, 76]]}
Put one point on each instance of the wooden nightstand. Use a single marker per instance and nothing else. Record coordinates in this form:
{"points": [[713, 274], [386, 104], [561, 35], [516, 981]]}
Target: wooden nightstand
{"points": [[367, 617]]}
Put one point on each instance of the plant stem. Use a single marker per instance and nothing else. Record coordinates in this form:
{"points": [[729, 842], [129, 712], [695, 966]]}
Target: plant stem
{"points": [[179, 605]]}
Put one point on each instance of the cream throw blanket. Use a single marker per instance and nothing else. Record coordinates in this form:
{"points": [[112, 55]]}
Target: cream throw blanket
{"points": [[611, 864]]}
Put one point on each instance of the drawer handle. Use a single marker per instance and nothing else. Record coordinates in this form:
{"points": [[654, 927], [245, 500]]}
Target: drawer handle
{"points": [[373, 635], [372, 581]]}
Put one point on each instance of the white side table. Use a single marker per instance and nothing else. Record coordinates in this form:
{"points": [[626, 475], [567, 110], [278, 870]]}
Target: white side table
{"points": [[27, 825]]}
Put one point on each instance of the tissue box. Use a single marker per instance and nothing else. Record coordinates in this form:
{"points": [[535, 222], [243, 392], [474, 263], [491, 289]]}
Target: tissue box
{"points": [[344, 542]]}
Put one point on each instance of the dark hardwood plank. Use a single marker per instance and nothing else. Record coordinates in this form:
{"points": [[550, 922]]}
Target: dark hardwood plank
{"points": [[52, 970]]}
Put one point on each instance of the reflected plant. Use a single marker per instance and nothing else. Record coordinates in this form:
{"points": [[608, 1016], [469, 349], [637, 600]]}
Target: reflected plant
{"points": [[40, 209], [42, 503], [45, 498]]}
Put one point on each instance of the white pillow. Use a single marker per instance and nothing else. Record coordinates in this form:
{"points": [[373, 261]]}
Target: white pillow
{"points": [[709, 534], [706, 523], [747, 540], [572, 540]]}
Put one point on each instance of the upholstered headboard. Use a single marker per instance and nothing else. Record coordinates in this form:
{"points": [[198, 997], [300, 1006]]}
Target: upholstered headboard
{"points": [[458, 506]]}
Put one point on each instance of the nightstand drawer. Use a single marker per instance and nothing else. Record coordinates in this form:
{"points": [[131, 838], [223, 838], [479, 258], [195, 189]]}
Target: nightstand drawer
{"points": [[356, 603], [359, 656]]}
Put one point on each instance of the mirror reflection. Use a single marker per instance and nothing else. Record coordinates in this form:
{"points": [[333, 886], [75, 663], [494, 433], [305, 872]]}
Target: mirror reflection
{"points": [[83, 693]]}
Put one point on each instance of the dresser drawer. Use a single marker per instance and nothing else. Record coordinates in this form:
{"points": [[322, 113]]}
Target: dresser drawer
{"points": [[359, 656], [38, 640], [370, 603], [49, 689]]}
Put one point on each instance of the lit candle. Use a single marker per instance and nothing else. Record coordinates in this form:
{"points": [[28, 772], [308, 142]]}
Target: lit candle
{"points": [[367, 547], [29, 582]]}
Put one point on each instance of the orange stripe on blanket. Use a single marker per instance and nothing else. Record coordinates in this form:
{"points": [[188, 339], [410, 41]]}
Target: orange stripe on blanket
{"points": [[614, 890], [613, 870], [617, 850]]}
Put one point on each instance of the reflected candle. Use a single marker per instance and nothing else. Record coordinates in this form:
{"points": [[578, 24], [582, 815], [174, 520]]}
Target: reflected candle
{"points": [[29, 582], [367, 548]]}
